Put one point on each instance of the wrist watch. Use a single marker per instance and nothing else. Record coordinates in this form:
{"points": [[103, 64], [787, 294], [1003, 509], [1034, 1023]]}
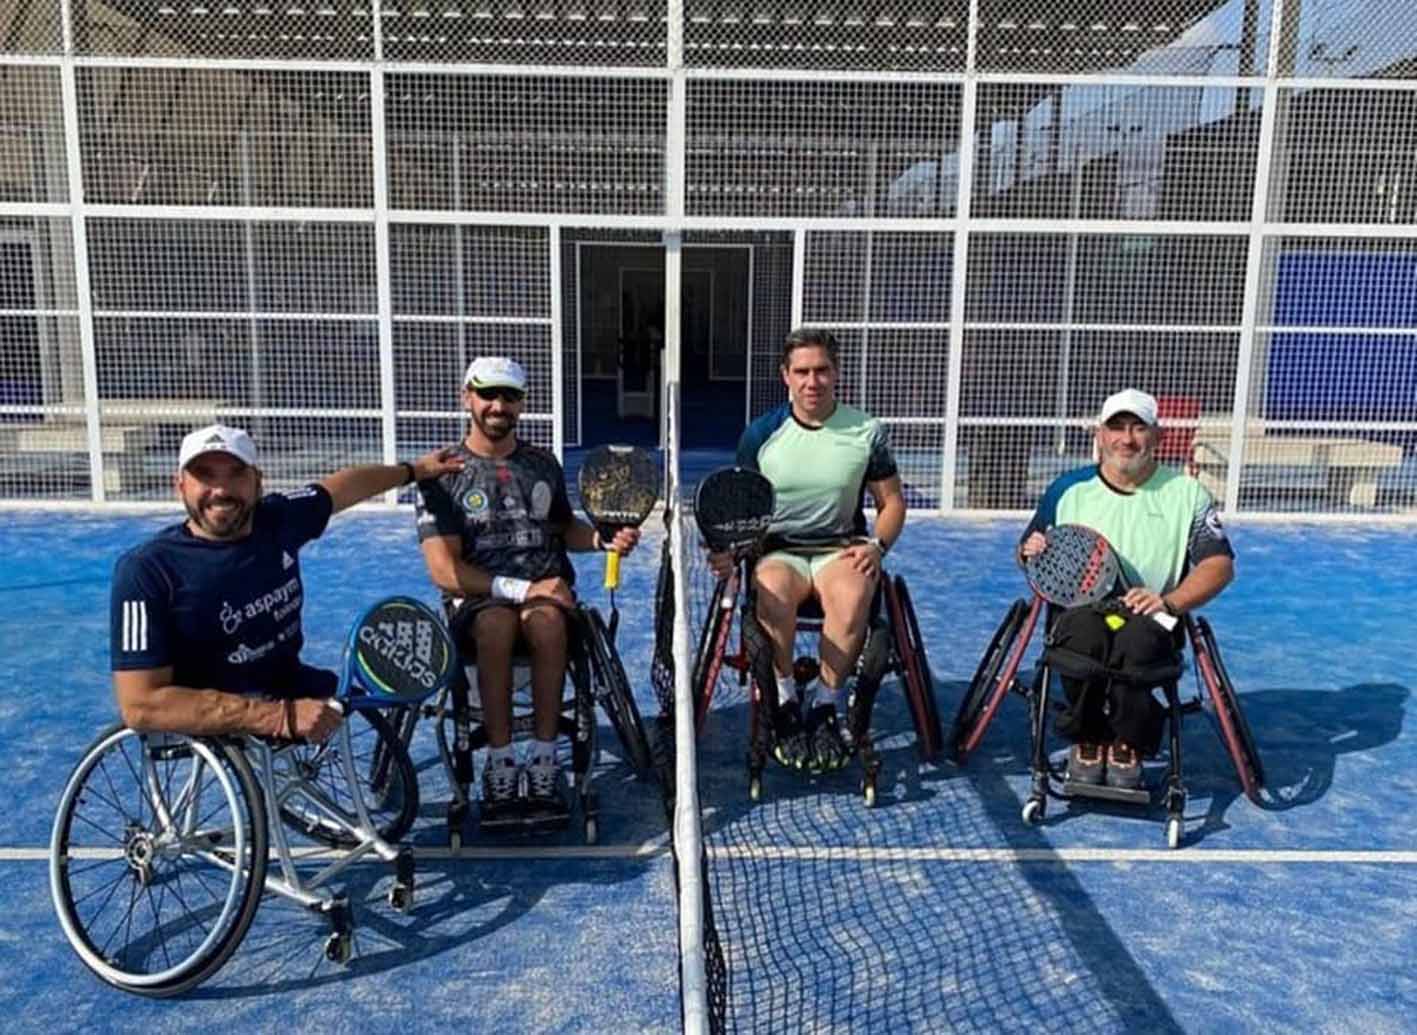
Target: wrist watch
{"points": [[879, 544]]}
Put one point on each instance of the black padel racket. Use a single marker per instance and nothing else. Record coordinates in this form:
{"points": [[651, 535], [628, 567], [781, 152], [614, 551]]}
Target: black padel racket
{"points": [[398, 652], [733, 508], [619, 487], [1077, 567]]}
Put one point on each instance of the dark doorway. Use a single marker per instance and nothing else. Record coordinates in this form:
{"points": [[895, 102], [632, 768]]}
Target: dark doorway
{"points": [[622, 338]]}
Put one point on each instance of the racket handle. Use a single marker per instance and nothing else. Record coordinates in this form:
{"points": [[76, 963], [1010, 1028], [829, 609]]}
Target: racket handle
{"points": [[612, 570]]}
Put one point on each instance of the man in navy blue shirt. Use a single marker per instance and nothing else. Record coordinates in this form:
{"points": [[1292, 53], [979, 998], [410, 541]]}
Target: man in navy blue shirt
{"points": [[205, 616]]}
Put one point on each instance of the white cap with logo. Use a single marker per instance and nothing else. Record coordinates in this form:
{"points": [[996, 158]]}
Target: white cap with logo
{"points": [[495, 372], [217, 438], [1130, 400]]}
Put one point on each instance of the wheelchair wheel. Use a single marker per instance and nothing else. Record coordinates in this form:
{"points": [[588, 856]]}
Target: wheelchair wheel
{"points": [[158, 858], [616, 697], [387, 780], [1229, 719], [915, 666], [713, 643], [993, 678]]}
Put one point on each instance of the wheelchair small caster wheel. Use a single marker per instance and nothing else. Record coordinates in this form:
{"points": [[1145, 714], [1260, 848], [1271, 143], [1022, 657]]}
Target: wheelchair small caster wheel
{"points": [[1033, 811], [339, 947], [755, 788], [455, 843], [590, 830], [1173, 832], [401, 897], [868, 793]]}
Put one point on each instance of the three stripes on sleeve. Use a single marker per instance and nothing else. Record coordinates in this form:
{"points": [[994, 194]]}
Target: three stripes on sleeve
{"points": [[135, 625]]}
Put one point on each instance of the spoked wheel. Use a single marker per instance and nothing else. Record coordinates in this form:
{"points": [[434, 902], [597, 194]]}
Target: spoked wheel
{"points": [[1225, 704], [713, 643], [158, 858], [994, 676], [387, 781], [616, 697], [919, 681]]}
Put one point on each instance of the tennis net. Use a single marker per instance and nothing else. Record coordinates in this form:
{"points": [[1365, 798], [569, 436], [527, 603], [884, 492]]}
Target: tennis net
{"points": [[703, 973]]}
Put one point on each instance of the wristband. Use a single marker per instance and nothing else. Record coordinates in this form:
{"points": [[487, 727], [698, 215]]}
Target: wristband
{"points": [[879, 544], [504, 587], [596, 543], [412, 472]]}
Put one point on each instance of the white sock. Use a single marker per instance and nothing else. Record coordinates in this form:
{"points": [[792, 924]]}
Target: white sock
{"points": [[543, 752], [504, 755], [827, 695], [786, 689]]}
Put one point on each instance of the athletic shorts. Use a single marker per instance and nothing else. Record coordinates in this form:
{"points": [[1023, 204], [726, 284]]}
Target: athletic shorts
{"points": [[807, 562]]}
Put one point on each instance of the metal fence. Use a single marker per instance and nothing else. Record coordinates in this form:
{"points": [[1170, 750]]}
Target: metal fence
{"points": [[307, 215]]}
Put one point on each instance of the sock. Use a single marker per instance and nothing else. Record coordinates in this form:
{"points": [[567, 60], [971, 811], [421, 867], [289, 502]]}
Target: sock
{"points": [[504, 755], [543, 752], [831, 695], [786, 689]]}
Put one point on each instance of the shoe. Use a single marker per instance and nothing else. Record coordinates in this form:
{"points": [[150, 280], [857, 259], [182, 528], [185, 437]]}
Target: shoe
{"points": [[829, 748], [1123, 767], [1085, 763], [790, 745], [546, 788], [500, 790]]}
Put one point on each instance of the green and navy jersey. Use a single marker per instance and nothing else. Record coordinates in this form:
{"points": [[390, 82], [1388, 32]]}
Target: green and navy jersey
{"points": [[1158, 530], [225, 614], [819, 473], [509, 513]]}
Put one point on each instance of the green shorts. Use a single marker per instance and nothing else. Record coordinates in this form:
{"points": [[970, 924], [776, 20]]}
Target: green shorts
{"points": [[807, 562]]}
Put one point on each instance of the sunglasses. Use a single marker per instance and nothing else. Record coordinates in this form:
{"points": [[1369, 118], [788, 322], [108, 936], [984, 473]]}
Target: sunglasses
{"points": [[510, 395]]}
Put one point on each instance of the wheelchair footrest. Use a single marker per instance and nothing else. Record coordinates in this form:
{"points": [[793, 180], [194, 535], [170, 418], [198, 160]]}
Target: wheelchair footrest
{"points": [[528, 821], [1133, 796]]}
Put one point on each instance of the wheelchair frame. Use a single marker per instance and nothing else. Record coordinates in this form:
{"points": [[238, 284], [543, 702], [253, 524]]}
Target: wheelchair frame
{"points": [[168, 829], [597, 677], [996, 677], [892, 647]]}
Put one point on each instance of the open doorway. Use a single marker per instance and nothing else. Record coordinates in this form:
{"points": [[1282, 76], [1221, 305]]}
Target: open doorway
{"points": [[621, 342]]}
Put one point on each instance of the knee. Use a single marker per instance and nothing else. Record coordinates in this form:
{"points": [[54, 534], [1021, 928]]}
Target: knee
{"points": [[544, 628], [1083, 630], [494, 634]]}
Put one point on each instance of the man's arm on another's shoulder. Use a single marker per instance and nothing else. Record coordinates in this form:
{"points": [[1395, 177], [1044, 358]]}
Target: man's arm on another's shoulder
{"points": [[352, 485], [150, 702]]}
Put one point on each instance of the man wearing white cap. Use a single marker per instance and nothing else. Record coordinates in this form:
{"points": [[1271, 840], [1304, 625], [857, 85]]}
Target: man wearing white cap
{"points": [[205, 616], [494, 535], [1166, 532]]}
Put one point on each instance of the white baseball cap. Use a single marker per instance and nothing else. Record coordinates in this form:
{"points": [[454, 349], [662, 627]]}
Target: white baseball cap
{"points": [[1130, 400], [217, 438], [495, 372]]}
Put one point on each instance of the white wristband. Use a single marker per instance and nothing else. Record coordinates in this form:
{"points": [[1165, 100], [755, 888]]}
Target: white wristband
{"points": [[504, 587]]}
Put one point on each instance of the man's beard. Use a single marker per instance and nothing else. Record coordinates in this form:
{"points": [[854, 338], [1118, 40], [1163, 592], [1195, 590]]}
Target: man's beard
{"points": [[498, 431], [224, 524], [1136, 464]]}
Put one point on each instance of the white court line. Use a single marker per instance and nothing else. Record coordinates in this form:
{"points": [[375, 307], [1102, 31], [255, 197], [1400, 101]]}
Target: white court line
{"points": [[766, 853]]}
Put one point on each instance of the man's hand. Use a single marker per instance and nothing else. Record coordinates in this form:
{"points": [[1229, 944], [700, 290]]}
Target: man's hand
{"points": [[437, 463], [722, 564], [553, 589], [1143, 601], [864, 559], [626, 539], [308, 718], [1035, 544]]}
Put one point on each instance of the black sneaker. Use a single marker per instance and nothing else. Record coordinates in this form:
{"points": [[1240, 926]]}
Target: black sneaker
{"points": [[1123, 767], [829, 748], [790, 745], [500, 786], [1086, 763], [546, 789]]}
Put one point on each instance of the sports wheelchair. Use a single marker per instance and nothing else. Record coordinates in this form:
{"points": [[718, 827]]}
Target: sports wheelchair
{"points": [[998, 674], [892, 647], [597, 677], [162, 843]]}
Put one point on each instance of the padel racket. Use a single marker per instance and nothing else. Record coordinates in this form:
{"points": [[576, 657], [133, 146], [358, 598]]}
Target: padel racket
{"points": [[619, 486], [1078, 566], [398, 652], [733, 508]]}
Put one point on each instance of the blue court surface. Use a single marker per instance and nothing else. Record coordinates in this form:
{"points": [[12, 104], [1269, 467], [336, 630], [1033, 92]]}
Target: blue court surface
{"points": [[938, 910]]}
